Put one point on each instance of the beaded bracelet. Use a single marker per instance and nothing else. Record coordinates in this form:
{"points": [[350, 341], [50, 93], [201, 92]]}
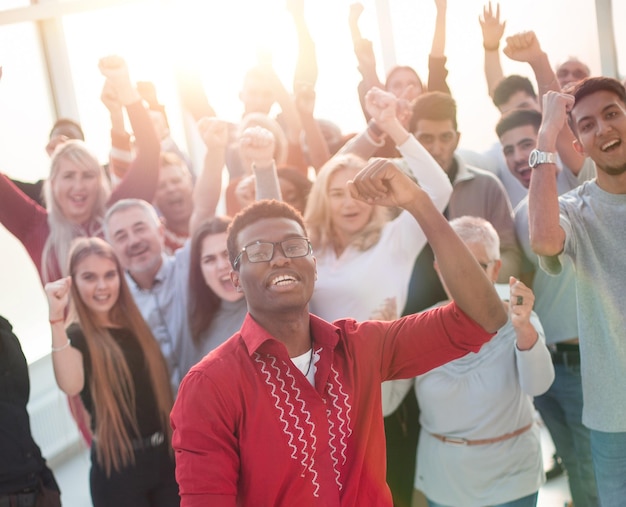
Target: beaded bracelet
{"points": [[62, 347]]}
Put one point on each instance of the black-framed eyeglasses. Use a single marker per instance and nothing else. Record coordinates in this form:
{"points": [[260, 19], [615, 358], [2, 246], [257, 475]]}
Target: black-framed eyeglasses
{"points": [[263, 251], [485, 265]]}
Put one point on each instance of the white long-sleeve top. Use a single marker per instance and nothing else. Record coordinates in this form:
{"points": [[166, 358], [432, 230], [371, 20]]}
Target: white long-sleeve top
{"points": [[483, 395], [357, 283]]}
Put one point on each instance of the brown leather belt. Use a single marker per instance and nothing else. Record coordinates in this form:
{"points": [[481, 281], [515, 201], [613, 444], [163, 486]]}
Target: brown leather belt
{"points": [[482, 441]]}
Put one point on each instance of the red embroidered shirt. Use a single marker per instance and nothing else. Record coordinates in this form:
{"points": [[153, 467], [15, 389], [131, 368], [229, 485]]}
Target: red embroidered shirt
{"points": [[250, 430]]}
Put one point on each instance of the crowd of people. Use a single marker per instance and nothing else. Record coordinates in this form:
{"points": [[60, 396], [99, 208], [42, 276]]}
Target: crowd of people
{"points": [[336, 338]]}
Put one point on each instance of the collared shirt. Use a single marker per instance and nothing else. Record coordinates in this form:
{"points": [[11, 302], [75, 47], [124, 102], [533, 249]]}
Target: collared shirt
{"points": [[250, 430], [164, 308], [479, 193]]}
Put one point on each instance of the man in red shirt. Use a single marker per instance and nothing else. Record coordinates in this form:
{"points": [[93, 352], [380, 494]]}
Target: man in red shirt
{"points": [[288, 411]]}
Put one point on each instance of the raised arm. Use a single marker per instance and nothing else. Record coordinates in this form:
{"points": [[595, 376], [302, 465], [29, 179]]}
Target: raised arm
{"points": [[524, 47], [493, 30], [316, 142], [120, 156], [534, 364], [364, 51], [289, 113], [208, 188], [142, 177], [547, 237], [257, 145], [67, 361], [382, 182], [437, 72], [24, 218], [387, 111], [306, 65]]}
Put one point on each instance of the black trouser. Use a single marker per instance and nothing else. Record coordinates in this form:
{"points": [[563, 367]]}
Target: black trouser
{"points": [[149, 483]]}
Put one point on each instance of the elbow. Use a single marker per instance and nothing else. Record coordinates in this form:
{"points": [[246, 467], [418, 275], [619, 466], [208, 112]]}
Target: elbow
{"points": [[545, 246], [496, 319]]}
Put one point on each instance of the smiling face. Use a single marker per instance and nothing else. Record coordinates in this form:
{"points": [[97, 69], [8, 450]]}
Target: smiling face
{"points": [[517, 144], [280, 285], [137, 241], [600, 125], [98, 284], [173, 196], [75, 189], [215, 267], [349, 216]]}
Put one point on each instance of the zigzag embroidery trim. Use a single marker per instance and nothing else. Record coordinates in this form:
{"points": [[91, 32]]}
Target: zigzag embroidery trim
{"points": [[339, 433], [283, 396]]}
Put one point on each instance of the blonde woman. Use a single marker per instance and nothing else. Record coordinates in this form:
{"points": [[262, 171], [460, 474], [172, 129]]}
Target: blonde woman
{"points": [[77, 192], [108, 355], [365, 259]]}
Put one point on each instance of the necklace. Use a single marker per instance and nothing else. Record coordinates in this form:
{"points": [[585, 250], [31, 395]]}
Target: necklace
{"points": [[308, 368]]}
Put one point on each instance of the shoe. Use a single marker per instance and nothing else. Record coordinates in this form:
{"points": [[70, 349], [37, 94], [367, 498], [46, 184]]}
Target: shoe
{"points": [[557, 468]]}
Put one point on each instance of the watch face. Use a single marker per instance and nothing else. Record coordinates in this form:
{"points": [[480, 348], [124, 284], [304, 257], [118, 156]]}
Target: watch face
{"points": [[532, 159]]}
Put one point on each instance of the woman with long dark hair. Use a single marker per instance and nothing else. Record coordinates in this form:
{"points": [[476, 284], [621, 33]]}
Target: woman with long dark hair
{"points": [[216, 309], [108, 355]]}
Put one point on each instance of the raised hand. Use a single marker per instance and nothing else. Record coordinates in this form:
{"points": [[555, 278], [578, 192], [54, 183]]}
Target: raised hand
{"points": [[356, 9], [382, 106], [58, 294], [256, 145], [554, 115], [523, 47], [521, 303], [295, 8], [383, 182], [114, 68], [110, 98], [441, 5], [214, 132], [492, 27]]}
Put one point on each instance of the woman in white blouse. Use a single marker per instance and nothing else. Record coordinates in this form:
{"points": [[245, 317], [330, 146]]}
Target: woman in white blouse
{"points": [[364, 259]]}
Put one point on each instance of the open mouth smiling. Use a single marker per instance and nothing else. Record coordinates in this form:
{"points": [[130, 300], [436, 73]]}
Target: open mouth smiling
{"points": [[283, 280], [611, 145]]}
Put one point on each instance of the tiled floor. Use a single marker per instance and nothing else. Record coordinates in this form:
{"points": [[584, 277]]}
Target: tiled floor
{"points": [[73, 478]]}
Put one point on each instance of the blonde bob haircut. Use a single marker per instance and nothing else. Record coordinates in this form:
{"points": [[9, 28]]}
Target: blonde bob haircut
{"points": [[56, 249], [318, 217]]}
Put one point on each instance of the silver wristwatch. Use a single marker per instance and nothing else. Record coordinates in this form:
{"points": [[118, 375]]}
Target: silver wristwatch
{"points": [[541, 157]]}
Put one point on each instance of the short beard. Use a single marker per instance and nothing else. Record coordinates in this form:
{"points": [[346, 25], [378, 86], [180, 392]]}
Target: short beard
{"points": [[613, 170]]}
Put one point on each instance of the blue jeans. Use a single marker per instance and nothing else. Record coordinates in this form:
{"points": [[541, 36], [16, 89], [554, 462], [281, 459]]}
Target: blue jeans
{"points": [[561, 408], [609, 461], [527, 501]]}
